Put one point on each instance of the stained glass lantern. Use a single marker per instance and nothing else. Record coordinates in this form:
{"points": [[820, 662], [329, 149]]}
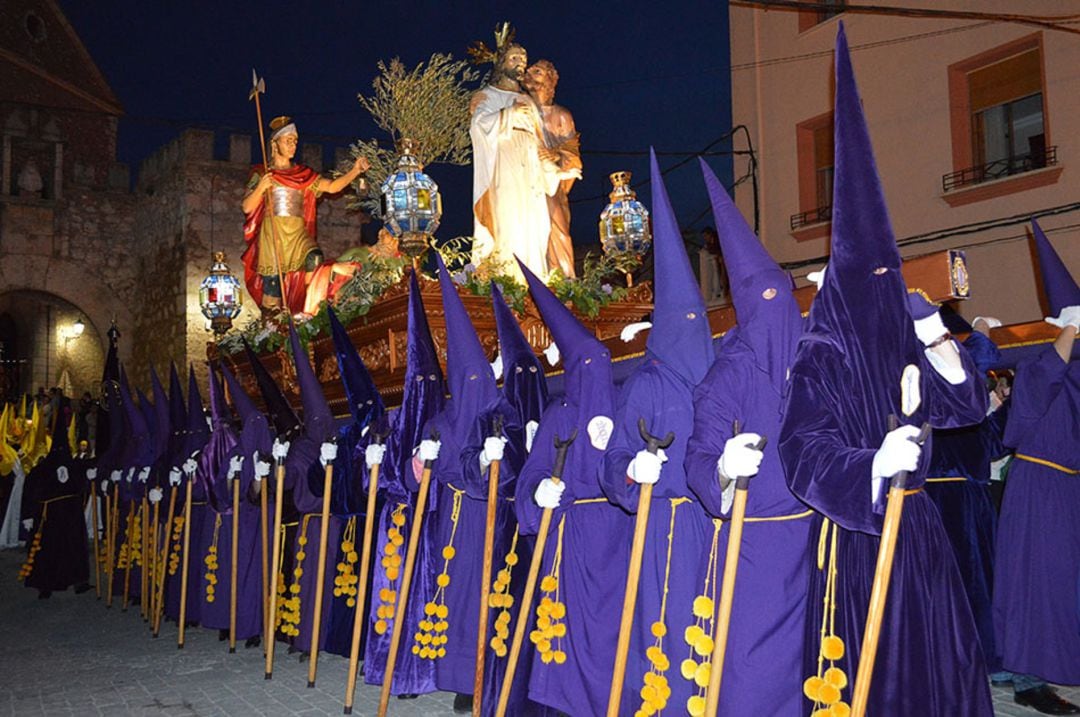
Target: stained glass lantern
{"points": [[411, 203], [625, 232], [219, 296]]}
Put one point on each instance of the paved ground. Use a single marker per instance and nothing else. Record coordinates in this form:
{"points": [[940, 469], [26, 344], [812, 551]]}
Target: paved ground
{"points": [[70, 656]]}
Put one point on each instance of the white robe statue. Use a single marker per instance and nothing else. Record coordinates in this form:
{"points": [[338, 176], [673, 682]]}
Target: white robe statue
{"points": [[510, 185]]}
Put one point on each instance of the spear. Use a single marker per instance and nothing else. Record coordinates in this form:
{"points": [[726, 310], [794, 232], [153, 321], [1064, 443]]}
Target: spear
{"points": [[258, 87]]}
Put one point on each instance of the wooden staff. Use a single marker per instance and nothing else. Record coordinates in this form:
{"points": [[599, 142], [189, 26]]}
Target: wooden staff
{"points": [[882, 573], [653, 445], [165, 560], [530, 582], [264, 538], [406, 582], [362, 584], [279, 489], [235, 557], [144, 539], [110, 540], [97, 547], [485, 573], [320, 573], [184, 561], [151, 581], [727, 585], [130, 555]]}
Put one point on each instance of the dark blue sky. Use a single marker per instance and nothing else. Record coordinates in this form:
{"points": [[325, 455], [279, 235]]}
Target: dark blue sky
{"points": [[632, 73]]}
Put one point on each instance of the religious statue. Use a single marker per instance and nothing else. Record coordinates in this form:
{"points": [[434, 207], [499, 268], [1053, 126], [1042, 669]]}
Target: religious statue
{"points": [[284, 249], [510, 182], [560, 155]]}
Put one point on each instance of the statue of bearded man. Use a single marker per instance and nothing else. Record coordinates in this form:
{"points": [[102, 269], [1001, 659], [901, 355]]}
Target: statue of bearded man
{"points": [[510, 183], [561, 156]]}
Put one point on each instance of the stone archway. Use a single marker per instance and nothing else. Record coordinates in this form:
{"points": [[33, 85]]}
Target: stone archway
{"points": [[42, 347]]}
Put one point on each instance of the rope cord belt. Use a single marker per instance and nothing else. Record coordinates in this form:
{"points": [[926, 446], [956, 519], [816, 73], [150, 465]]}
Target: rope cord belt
{"points": [[1048, 464]]}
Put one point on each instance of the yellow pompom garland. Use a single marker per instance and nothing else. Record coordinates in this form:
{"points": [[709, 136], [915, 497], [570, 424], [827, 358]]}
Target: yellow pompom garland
{"points": [[501, 599], [429, 642], [550, 613], [656, 691], [699, 636], [35, 546], [287, 619], [177, 544], [825, 689], [346, 580], [211, 561], [391, 563], [131, 548]]}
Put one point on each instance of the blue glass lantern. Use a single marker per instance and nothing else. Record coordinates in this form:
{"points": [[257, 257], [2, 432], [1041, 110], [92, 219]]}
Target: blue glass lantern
{"points": [[411, 203], [625, 232], [219, 296]]}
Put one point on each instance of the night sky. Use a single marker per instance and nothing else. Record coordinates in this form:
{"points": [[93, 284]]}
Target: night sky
{"points": [[632, 74]]}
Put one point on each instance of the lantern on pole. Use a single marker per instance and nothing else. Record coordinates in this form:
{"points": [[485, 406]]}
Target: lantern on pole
{"points": [[219, 296], [625, 231], [411, 203]]}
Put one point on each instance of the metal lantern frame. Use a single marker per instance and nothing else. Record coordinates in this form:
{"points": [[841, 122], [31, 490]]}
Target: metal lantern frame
{"points": [[411, 203], [625, 227], [220, 297]]}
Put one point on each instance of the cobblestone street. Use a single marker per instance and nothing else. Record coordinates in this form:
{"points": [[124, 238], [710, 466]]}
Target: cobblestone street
{"points": [[69, 655]]}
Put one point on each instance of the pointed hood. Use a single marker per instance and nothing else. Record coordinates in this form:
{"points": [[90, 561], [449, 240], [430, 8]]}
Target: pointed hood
{"points": [[139, 452], [1058, 283], [769, 321], [220, 414], [365, 403], [318, 420], [162, 415], [243, 404], [524, 383], [468, 371], [150, 419], [177, 413], [588, 382], [198, 432], [424, 391], [281, 415], [680, 336]]}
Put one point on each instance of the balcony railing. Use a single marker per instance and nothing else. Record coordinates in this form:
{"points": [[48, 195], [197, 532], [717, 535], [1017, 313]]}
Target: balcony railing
{"points": [[814, 216], [997, 169]]}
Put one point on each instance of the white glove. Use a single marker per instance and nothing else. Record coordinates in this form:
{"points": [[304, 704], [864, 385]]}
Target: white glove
{"points": [[262, 466], [740, 459], [818, 277], [645, 466], [551, 353], [155, 495], [115, 476], [930, 329], [898, 452], [190, 466], [130, 475], [549, 493], [280, 450], [1069, 316], [494, 448], [174, 476], [62, 474], [428, 450], [990, 321], [91, 474], [631, 330], [235, 464], [373, 454], [28, 524], [327, 453], [144, 474]]}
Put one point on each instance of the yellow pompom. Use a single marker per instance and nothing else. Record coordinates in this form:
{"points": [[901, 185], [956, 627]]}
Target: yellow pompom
{"points": [[443, 580], [558, 629], [301, 555], [441, 625], [701, 675], [351, 602], [828, 694], [558, 611], [549, 584], [511, 560], [823, 712], [448, 552], [658, 629], [688, 668], [380, 627], [832, 648], [298, 572], [812, 688], [836, 677], [302, 540], [703, 607], [692, 634], [696, 706], [840, 709], [416, 649], [500, 651], [654, 653], [704, 646], [392, 574], [442, 611], [546, 657], [398, 519]]}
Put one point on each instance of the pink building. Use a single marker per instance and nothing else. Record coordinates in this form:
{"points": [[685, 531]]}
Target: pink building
{"points": [[974, 122]]}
